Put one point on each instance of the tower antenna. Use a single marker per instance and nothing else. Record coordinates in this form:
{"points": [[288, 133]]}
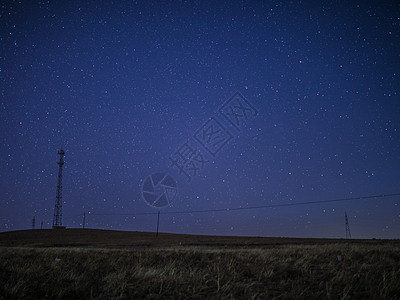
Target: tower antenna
{"points": [[348, 234], [57, 220]]}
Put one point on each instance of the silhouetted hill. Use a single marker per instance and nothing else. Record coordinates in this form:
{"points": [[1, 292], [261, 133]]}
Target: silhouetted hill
{"points": [[112, 239]]}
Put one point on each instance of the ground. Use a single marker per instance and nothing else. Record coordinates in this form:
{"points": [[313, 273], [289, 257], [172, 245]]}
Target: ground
{"points": [[103, 264]]}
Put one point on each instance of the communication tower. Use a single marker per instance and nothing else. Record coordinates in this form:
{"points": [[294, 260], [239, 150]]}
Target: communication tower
{"points": [[57, 220]]}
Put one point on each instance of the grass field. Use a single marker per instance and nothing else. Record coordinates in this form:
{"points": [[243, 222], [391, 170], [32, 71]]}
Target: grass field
{"points": [[97, 264]]}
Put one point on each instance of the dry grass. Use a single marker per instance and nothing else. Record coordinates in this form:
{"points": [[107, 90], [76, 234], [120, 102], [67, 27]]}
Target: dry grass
{"points": [[273, 272]]}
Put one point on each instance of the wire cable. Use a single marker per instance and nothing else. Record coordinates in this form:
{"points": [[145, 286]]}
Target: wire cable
{"points": [[251, 207]]}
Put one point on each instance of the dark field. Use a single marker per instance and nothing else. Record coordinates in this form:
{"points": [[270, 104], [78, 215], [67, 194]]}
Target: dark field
{"points": [[100, 264]]}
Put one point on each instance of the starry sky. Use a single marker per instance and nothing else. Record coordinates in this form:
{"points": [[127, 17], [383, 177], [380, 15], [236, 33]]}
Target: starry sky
{"points": [[126, 87]]}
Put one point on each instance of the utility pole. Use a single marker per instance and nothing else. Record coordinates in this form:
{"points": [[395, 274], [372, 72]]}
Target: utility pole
{"points": [[84, 220], [57, 220], [158, 223], [347, 226], [33, 222]]}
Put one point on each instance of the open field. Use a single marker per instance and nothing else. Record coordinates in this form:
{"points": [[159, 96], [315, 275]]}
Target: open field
{"points": [[100, 264]]}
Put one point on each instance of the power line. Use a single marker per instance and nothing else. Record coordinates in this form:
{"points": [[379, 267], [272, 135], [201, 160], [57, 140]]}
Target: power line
{"points": [[253, 207]]}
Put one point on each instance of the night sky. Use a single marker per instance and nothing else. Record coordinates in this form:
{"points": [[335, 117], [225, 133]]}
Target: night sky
{"points": [[274, 102]]}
